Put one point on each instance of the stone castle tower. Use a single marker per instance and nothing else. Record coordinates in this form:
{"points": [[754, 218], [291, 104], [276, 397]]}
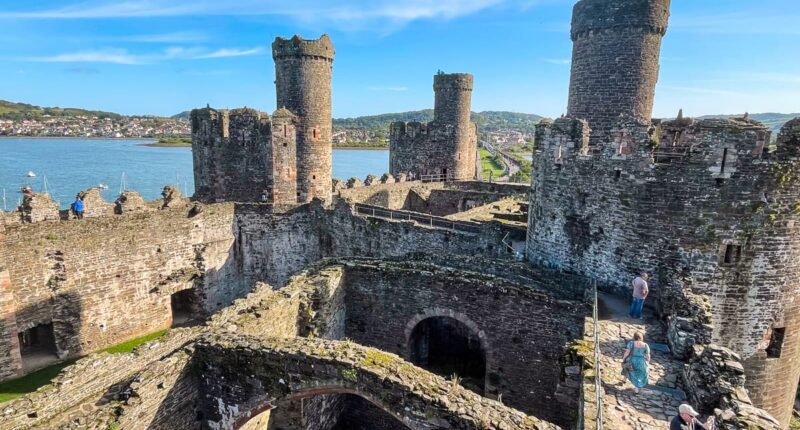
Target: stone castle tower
{"points": [[702, 205], [616, 48], [303, 84], [445, 147], [242, 155]]}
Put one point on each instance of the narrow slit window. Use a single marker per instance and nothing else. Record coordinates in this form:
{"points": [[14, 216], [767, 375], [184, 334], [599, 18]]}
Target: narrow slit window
{"points": [[724, 160], [732, 254], [285, 131], [617, 174], [776, 342]]}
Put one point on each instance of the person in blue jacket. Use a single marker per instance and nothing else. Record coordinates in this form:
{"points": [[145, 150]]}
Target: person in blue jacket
{"points": [[77, 207]]}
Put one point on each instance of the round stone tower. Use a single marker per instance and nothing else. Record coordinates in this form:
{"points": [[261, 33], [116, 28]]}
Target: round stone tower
{"points": [[616, 47], [453, 95], [303, 86]]}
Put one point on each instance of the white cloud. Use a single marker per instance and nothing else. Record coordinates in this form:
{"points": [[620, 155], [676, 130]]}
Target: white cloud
{"points": [[346, 14], [230, 52], [559, 61], [114, 56], [396, 89], [122, 56]]}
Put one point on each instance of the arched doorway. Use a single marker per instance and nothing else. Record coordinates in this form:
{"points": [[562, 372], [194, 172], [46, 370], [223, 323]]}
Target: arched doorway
{"points": [[446, 346]]}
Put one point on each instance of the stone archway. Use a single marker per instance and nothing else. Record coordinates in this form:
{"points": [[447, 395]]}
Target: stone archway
{"points": [[329, 406], [446, 342]]}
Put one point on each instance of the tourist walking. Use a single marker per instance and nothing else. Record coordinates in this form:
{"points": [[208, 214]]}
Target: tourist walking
{"points": [[687, 420], [636, 361], [77, 207], [640, 291]]}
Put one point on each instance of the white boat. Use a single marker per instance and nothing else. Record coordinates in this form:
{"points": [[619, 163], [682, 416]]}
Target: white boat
{"points": [[31, 174], [102, 186]]}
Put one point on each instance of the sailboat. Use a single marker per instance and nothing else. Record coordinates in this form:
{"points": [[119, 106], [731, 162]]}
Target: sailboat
{"points": [[31, 174]]}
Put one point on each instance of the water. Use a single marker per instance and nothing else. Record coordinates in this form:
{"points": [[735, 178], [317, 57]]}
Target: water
{"points": [[72, 165]]}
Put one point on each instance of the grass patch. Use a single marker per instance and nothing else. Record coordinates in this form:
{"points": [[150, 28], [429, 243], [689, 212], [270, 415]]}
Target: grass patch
{"points": [[133, 343], [491, 164], [172, 142], [29, 383]]}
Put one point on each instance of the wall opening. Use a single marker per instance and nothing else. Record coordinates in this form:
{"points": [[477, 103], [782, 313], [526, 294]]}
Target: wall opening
{"points": [[446, 346], [776, 342], [183, 308], [334, 411], [732, 254], [37, 346]]}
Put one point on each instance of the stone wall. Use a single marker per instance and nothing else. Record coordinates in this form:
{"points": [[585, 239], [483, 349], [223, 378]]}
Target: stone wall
{"points": [[446, 146], [107, 279], [700, 202], [242, 376], [524, 331]]}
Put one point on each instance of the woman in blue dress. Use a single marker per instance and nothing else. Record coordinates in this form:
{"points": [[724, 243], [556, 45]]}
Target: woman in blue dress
{"points": [[637, 354]]}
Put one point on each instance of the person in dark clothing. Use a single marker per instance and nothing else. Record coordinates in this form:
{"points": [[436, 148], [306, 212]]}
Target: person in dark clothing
{"points": [[77, 207], [687, 420]]}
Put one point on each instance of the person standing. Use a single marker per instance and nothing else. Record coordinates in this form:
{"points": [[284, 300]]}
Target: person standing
{"points": [[637, 354], [77, 207], [687, 420], [640, 291]]}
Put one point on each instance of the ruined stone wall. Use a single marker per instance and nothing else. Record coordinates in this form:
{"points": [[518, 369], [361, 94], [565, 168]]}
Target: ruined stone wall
{"points": [[701, 201], [230, 151], [617, 44], [282, 159], [524, 332], [303, 71], [446, 146], [104, 280]]}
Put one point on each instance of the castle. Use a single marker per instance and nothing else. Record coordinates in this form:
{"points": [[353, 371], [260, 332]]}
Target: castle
{"points": [[295, 301], [445, 148]]}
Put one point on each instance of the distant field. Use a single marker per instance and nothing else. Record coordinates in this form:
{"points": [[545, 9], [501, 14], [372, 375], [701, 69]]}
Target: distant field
{"points": [[489, 164]]}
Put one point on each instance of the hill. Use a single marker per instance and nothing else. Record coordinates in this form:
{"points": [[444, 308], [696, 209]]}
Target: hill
{"points": [[183, 115], [487, 121], [772, 120], [17, 111]]}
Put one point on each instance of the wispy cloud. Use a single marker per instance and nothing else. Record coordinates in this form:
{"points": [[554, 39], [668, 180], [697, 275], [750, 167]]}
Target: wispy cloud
{"points": [[395, 89], [113, 56], [230, 52], [122, 56], [559, 61], [342, 13]]}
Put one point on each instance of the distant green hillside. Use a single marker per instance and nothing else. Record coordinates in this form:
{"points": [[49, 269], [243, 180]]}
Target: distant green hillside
{"points": [[183, 115], [16, 111], [772, 120], [487, 121]]}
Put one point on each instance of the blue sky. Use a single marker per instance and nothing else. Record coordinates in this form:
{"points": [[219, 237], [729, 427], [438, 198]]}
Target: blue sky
{"points": [[163, 56]]}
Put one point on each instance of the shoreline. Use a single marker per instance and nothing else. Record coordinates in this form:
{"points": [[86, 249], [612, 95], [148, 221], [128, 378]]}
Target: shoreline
{"points": [[366, 148], [79, 137]]}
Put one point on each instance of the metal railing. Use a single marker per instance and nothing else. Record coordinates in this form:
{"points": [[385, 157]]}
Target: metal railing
{"points": [[438, 177], [665, 154], [421, 219], [598, 379]]}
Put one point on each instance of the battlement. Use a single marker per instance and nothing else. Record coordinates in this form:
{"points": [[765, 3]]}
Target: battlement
{"points": [[452, 81], [298, 47], [209, 124], [598, 15], [410, 129]]}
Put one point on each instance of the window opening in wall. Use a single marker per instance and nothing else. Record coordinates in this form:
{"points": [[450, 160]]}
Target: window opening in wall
{"points": [[617, 174], [732, 254], [37, 346], [446, 346], [776, 342], [285, 132], [724, 160], [315, 133], [183, 308], [285, 144]]}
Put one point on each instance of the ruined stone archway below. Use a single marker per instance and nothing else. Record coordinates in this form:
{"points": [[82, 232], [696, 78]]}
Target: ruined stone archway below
{"points": [[242, 376]]}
